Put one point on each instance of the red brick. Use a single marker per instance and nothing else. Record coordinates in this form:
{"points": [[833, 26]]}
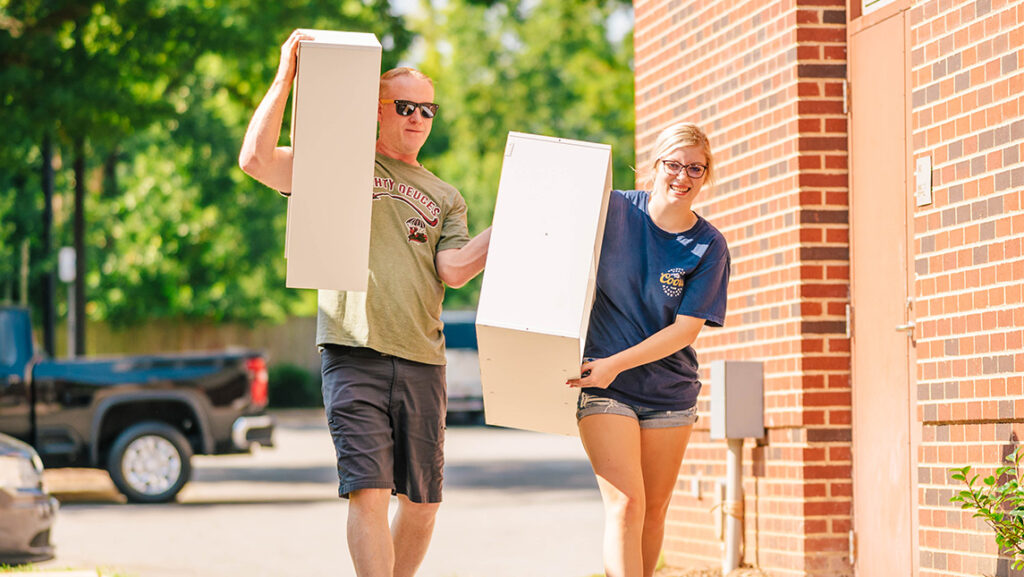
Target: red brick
{"points": [[817, 508]]}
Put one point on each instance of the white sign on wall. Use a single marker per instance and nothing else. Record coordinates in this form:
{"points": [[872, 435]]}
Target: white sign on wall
{"points": [[923, 181]]}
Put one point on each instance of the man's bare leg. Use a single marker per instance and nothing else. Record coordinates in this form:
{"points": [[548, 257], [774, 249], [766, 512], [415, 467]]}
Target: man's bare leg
{"points": [[369, 540], [411, 530]]}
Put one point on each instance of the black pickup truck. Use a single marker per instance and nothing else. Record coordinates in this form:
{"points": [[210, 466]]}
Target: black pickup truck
{"points": [[141, 418]]}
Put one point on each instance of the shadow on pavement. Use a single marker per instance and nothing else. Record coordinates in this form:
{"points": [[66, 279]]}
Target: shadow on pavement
{"points": [[264, 474], [498, 475], [199, 503], [521, 476]]}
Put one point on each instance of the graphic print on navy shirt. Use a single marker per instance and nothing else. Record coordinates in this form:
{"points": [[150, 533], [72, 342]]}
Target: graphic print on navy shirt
{"points": [[647, 277]]}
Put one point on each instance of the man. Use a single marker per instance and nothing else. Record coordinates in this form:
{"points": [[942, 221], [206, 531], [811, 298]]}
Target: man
{"points": [[382, 351]]}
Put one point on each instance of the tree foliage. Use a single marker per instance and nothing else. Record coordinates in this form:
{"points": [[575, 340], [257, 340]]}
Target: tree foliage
{"points": [[156, 95], [540, 66]]}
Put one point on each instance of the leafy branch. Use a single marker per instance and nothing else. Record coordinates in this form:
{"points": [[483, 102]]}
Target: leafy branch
{"points": [[999, 500]]}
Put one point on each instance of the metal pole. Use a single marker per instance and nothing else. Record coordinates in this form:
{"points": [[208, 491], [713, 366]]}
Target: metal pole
{"points": [[733, 506], [72, 321], [66, 258]]}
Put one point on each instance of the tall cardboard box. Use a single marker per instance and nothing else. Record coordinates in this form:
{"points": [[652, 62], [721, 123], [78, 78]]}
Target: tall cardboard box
{"points": [[334, 129], [538, 287]]}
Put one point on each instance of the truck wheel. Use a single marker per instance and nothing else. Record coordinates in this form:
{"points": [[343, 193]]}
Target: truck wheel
{"points": [[149, 462]]}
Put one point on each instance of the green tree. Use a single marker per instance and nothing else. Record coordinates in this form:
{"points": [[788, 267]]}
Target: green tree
{"points": [[542, 66], [150, 99]]}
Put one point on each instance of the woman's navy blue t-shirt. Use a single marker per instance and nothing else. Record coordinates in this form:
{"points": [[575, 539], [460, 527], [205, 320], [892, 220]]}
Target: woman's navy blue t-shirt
{"points": [[647, 276]]}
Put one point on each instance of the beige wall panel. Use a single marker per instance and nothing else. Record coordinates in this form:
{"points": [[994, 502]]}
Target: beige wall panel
{"points": [[882, 386], [334, 128], [538, 286]]}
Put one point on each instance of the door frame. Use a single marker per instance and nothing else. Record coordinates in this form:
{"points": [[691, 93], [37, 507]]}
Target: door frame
{"points": [[857, 23]]}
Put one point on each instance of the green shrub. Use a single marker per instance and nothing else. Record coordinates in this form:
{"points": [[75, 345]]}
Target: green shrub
{"points": [[292, 386], [999, 500]]}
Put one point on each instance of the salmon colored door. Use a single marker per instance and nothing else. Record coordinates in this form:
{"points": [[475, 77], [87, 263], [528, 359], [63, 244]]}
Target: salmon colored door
{"points": [[879, 196]]}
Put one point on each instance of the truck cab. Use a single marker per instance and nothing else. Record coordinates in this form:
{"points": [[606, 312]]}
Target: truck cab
{"points": [[140, 417]]}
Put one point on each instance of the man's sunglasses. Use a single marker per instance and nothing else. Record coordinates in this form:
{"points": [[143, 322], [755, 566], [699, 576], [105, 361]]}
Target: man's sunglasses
{"points": [[407, 107], [673, 168]]}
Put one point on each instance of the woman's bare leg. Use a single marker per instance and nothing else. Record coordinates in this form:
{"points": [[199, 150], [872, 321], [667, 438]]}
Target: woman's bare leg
{"points": [[661, 453], [613, 444]]}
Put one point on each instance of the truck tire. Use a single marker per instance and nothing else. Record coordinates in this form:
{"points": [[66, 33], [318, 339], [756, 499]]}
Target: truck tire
{"points": [[150, 462]]}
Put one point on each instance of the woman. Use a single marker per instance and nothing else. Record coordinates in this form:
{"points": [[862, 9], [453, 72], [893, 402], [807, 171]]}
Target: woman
{"points": [[662, 277]]}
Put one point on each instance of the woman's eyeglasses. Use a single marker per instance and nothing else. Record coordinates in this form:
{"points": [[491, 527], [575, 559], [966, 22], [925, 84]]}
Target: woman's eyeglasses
{"points": [[673, 168], [407, 107]]}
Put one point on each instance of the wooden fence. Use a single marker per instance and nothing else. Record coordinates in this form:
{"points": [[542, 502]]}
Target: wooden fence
{"points": [[292, 341]]}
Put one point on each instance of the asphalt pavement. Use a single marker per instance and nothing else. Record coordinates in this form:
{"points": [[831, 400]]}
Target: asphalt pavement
{"points": [[517, 504]]}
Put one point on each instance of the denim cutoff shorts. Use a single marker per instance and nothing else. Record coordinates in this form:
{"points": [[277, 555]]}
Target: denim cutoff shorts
{"points": [[589, 404]]}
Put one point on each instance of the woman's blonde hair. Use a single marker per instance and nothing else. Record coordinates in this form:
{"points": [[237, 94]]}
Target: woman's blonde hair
{"points": [[679, 136]]}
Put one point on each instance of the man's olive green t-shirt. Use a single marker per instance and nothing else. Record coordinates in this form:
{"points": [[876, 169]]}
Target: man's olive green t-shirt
{"points": [[415, 214]]}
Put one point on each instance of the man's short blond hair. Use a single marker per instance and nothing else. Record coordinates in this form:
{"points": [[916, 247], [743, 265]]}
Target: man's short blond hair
{"points": [[402, 71]]}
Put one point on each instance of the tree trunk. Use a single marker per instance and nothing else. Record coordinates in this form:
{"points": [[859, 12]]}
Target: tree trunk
{"points": [[49, 278], [79, 233], [110, 174]]}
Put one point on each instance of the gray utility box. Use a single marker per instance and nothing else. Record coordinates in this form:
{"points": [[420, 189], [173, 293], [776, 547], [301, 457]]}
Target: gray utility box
{"points": [[737, 399]]}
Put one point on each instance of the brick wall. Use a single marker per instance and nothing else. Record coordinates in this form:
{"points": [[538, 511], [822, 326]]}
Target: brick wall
{"points": [[967, 74], [765, 78]]}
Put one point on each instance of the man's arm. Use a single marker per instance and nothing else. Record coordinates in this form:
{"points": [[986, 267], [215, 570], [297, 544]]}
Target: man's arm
{"points": [[260, 156], [456, 266]]}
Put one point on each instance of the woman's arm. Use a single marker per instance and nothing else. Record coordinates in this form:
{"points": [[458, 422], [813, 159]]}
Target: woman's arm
{"points": [[661, 344]]}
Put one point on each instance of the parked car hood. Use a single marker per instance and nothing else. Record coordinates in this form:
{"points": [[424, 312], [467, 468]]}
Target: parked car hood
{"points": [[9, 446]]}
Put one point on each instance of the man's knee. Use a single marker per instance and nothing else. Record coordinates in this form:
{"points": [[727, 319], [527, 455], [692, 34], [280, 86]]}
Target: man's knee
{"points": [[370, 500], [421, 512]]}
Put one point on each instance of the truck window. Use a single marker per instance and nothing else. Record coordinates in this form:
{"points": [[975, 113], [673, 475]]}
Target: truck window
{"points": [[8, 348]]}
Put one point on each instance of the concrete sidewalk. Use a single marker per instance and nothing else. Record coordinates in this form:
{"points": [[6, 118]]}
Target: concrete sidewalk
{"points": [[516, 503]]}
